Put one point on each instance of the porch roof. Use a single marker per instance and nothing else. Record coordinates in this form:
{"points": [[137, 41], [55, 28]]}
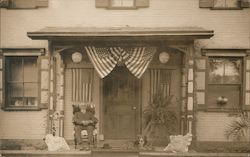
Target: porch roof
{"points": [[48, 33]]}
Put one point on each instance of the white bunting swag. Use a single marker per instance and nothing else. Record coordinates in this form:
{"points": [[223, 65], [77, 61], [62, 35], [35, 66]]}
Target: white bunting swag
{"points": [[105, 59]]}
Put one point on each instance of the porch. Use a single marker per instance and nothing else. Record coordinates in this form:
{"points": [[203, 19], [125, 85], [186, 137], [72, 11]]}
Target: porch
{"points": [[170, 75]]}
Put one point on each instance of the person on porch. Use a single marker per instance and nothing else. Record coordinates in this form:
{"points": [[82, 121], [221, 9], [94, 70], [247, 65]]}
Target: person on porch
{"points": [[84, 120]]}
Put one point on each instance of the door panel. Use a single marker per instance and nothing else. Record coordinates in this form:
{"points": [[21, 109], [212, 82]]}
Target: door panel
{"points": [[121, 101]]}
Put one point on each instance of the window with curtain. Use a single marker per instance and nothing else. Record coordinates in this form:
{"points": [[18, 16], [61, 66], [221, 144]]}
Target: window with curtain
{"points": [[21, 82], [224, 82]]}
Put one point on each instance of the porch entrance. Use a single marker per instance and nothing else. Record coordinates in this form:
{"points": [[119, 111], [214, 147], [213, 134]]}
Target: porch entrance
{"points": [[121, 98]]}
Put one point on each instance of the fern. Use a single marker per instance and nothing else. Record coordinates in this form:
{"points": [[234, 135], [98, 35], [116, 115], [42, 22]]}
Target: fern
{"points": [[159, 119], [238, 128]]}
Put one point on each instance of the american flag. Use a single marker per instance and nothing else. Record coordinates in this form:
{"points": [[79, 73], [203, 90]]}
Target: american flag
{"points": [[105, 59], [139, 59]]}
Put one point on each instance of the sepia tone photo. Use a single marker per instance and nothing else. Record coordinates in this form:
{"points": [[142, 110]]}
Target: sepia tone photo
{"points": [[129, 78]]}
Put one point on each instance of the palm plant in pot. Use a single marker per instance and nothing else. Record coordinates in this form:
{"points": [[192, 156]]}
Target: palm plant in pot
{"points": [[239, 128], [160, 121]]}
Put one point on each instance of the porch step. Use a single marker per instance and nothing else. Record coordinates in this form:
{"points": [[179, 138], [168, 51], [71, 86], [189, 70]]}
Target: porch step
{"points": [[114, 153], [27, 153], [111, 153]]}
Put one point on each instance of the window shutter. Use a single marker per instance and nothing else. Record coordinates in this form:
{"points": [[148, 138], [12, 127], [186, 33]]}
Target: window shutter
{"points": [[1, 80], [246, 101], [206, 3], [101, 3], [200, 81], [44, 81], [142, 3], [245, 3]]}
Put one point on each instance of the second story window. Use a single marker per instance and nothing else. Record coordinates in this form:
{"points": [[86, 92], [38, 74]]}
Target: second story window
{"points": [[122, 3], [224, 4]]}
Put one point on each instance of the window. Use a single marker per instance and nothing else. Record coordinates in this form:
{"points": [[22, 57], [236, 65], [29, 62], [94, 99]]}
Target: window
{"points": [[21, 82], [23, 4], [224, 4], [122, 3], [224, 82]]}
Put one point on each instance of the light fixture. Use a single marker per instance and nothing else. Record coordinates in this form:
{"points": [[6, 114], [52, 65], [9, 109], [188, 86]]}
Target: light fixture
{"points": [[164, 57], [76, 57]]}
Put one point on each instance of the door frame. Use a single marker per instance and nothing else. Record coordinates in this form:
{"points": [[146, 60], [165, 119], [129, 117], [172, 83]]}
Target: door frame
{"points": [[138, 115]]}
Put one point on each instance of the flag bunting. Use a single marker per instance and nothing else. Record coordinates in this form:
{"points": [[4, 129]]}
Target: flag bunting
{"points": [[105, 59]]}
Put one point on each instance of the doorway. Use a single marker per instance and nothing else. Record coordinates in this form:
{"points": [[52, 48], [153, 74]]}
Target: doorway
{"points": [[121, 100]]}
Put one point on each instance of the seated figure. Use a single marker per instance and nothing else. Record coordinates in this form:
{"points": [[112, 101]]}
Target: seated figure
{"points": [[84, 120]]}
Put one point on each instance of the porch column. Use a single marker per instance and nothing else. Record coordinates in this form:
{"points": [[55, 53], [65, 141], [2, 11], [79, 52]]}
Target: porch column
{"points": [[56, 108], [183, 97], [60, 92], [190, 91]]}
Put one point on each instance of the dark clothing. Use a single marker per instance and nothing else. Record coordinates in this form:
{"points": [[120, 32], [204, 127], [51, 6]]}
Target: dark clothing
{"points": [[78, 119]]}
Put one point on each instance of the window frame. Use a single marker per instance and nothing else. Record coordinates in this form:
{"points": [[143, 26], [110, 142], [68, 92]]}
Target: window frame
{"points": [[107, 5], [243, 54], [8, 82], [240, 85], [22, 52], [122, 7], [211, 4]]}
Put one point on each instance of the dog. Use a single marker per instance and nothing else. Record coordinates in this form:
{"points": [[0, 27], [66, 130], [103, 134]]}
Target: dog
{"points": [[141, 142], [56, 143]]}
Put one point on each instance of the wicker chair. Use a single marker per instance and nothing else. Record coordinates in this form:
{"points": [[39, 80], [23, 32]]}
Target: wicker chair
{"points": [[84, 134]]}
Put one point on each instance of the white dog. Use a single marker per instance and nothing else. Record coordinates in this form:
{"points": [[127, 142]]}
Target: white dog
{"points": [[179, 143], [56, 143]]}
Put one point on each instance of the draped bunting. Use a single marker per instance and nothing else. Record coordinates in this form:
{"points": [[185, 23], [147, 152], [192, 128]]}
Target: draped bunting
{"points": [[105, 59]]}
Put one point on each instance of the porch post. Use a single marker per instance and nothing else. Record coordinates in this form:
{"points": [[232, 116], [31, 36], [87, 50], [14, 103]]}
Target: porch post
{"points": [[184, 96], [60, 92], [190, 91], [56, 109]]}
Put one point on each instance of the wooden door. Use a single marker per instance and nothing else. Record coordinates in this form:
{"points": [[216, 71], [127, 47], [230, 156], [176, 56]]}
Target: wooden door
{"points": [[121, 104]]}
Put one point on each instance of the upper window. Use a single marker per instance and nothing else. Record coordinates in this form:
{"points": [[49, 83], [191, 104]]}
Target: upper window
{"points": [[224, 4], [21, 82], [224, 82], [122, 3]]}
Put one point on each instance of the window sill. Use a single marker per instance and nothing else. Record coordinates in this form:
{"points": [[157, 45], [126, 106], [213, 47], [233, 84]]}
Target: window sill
{"points": [[226, 8], [231, 110], [35, 108]]}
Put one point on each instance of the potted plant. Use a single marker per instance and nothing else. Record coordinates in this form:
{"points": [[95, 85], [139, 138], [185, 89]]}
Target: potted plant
{"points": [[239, 128], [159, 120]]}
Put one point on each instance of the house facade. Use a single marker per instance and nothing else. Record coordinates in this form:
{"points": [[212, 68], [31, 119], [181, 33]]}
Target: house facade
{"points": [[115, 55]]}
